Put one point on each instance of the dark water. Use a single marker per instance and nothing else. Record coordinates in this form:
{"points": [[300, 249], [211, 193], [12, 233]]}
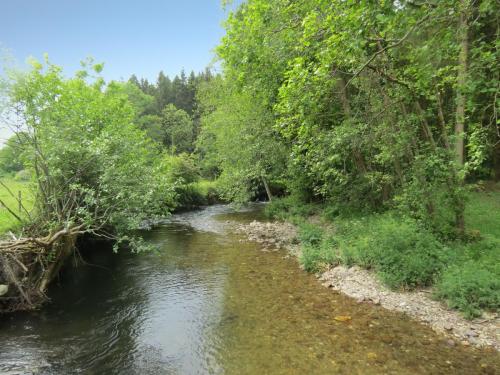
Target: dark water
{"points": [[210, 304]]}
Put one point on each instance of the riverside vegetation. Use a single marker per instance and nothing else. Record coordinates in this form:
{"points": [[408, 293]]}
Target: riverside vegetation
{"points": [[87, 169], [382, 117], [405, 257]]}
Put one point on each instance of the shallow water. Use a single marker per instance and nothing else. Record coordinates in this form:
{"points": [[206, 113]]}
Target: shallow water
{"points": [[208, 303]]}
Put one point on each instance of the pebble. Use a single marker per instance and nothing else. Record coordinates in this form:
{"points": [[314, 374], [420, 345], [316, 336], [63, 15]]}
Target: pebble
{"points": [[372, 355], [471, 334]]}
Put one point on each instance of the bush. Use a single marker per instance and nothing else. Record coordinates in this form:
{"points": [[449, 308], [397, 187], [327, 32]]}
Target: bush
{"points": [[197, 194], [470, 287], [403, 255], [182, 172], [188, 197], [209, 189], [310, 234], [432, 196], [180, 169], [472, 281], [316, 258], [290, 207]]}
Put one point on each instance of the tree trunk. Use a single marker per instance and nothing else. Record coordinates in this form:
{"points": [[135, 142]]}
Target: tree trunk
{"points": [[496, 161], [463, 35], [463, 39], [346, 108], [268, 191], [63, 248]]}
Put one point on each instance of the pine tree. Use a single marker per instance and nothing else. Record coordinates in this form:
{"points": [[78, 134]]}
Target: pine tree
{"points": [[163, 91]]}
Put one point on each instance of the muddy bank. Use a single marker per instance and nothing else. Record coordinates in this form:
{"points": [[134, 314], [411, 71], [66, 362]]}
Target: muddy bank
{"points": [[364, 286]]}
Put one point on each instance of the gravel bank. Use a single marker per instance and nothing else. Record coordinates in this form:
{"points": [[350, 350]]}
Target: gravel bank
{"points": [[364, 286]]}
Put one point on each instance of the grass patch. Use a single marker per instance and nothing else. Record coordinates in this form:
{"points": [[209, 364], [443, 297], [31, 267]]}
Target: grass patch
{"points": [[471, 282], [7, 221], [317, 258]]}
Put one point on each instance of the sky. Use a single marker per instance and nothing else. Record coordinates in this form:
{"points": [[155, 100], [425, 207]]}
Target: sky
{"points": [[129, 36], [141, 37]]}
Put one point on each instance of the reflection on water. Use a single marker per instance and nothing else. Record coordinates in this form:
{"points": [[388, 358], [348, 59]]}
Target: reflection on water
{"points": [[207, 303]]}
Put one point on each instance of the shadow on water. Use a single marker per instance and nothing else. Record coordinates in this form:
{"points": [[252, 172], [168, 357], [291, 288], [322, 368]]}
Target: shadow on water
{"points": [[209, 303]]}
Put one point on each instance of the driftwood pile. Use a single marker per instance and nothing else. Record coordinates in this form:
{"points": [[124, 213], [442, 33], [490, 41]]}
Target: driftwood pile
{"points": [[28, 265]]}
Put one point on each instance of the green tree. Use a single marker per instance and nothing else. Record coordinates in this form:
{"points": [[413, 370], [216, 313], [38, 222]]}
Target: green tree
{"points": [[11, 154], [177, 129], [164, 92], [237, 135], [371, 115], [144, 106], [96, 170]]}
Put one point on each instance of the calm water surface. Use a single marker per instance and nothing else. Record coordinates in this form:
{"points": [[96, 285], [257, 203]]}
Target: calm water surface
{"points": [[209, 303]]}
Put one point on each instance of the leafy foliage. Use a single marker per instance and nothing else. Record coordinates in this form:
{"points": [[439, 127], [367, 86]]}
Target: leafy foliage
{"points": [[290, 207], [404, 255], [368, 114], [95, 169], [237, 136], [11, 155], [176, 129], [470, 287]]}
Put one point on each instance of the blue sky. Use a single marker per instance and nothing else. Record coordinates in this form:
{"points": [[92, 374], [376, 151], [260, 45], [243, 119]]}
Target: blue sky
{"points": [[141, 37]]}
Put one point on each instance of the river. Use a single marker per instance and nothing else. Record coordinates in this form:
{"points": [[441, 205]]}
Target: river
{"points": [[210, 303]]}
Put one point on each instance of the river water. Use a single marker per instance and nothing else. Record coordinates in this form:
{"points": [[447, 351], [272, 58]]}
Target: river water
{"points": [[209, 303]]}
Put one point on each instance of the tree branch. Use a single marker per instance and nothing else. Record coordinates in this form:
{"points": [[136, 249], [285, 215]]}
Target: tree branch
{"points": [[408, 33]]}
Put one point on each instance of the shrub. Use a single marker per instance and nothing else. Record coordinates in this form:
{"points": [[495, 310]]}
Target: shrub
{"points": [[180, 168], [209, 189], [290, 207], [188, 197], [403, 254], [318, 258], [472, 282], [310, 234], [470, 287]]}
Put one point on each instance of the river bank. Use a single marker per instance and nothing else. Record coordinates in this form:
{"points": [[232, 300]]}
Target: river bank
{"points": [[364, 287], [207, 303]]}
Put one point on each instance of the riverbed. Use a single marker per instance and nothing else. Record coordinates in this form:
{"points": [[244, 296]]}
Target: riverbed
{"points": [[208, 302]]}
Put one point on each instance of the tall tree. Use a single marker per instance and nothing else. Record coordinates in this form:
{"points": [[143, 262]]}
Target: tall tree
{"points": [[463, 40], [177, 129], [164, 94], [371, 114]]}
